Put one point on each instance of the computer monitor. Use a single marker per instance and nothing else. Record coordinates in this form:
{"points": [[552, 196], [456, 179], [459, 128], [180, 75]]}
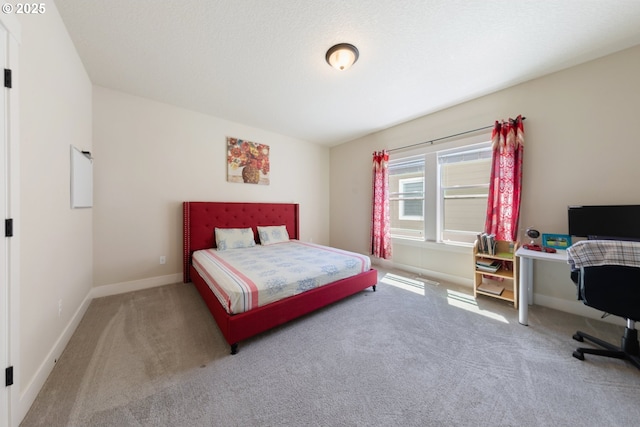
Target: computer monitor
{"points": [[621, 222]]}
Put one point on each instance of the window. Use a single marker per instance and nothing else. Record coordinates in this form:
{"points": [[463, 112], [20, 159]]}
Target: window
{"points": [[411, 198], [406, 197], [464, 188], [440, 195]]}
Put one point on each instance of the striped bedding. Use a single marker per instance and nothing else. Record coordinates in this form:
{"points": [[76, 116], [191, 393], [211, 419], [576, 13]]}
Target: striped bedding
{"points": [[243, 279]]}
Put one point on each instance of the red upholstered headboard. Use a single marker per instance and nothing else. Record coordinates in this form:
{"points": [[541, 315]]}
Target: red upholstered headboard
{"points": [[201, 218]]}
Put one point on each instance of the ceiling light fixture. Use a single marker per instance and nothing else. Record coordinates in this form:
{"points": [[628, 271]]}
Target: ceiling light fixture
{"points": [[342, 56]]}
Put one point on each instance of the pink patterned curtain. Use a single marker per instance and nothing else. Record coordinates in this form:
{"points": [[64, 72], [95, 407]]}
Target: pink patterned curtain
{"points": [[380, 226], [505, 186]]}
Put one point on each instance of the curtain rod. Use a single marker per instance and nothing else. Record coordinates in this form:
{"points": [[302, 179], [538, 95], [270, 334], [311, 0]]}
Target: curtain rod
{"points": [[430, 142]]}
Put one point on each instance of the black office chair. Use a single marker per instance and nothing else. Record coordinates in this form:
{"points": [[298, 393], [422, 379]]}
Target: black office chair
{"points": [[614, 289]]}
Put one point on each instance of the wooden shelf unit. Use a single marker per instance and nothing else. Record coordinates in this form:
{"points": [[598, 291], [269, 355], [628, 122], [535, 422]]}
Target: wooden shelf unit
{"points": [[505, 252]]}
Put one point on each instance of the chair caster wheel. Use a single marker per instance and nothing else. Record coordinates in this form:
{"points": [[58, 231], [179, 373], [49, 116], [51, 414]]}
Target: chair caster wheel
{"points": [[578, 355], [578, 337]]}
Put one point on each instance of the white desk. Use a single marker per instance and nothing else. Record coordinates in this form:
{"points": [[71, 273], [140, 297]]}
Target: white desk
{"points": [[525, 291]]}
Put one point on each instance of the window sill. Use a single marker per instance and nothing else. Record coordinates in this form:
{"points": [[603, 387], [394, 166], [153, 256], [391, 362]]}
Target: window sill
{"points": [[465, 248]]}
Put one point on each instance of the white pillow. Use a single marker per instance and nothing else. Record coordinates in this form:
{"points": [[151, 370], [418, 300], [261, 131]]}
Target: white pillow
{"points": [[273, 234], [234, 238]]}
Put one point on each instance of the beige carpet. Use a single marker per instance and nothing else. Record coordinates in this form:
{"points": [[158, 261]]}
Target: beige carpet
{"points": [[411, 355]]}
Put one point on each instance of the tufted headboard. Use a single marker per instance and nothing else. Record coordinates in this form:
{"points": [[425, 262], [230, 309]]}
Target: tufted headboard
{"points": [[200, 219]]}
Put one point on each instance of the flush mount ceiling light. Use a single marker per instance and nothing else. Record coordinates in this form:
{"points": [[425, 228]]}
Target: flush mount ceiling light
{"points": [[342, 56]]}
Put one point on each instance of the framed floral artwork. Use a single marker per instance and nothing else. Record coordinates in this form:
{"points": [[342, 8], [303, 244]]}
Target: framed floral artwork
{"points": [[247, 162]]}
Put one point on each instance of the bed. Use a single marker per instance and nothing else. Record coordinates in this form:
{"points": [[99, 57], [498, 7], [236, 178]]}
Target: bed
{"points": [[200, 219]]}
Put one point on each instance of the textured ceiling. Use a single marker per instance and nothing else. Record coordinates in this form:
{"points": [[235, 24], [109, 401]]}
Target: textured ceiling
{"points": [[261, 62]]}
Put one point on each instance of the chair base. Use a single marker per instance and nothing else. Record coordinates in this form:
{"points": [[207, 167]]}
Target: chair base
{"points": [[628, 350]]}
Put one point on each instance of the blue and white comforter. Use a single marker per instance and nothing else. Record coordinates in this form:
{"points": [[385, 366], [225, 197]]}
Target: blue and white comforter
{"points": [[243, 279]]}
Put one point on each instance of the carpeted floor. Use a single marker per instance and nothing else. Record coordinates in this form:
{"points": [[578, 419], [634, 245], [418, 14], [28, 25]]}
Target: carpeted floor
{"points": [[409, 354]]}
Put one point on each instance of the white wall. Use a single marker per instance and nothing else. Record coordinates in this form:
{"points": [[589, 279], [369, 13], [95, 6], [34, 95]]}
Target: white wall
{"points": [[581, 147], [150, 157], [56, 241]]}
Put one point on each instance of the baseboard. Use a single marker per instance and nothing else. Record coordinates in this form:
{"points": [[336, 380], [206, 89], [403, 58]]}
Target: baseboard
{"points": [[458, 280], [28, 396], [135, 285], [575, 307], [33, 388]]}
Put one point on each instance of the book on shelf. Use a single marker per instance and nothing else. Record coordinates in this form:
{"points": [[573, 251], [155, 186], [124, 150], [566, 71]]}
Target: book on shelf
{"points": [[488, 268], [491, 288], [487, 243], [487, 262]]}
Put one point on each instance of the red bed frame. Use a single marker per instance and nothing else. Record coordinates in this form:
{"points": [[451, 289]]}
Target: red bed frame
{"points": [[199, 221]]}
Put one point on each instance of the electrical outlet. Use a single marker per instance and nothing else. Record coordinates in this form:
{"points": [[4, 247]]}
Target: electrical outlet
{"points": [[60, 307], [163, 259]]}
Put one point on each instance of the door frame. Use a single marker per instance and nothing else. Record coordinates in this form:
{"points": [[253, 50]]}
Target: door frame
{"points": [[10, 206]]}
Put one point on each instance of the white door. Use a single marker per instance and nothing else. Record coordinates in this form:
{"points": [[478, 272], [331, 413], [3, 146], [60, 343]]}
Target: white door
{"points": [[5, 409]]}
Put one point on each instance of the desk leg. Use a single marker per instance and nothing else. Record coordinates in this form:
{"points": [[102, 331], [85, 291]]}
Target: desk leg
{"points": [[526, 288]]}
